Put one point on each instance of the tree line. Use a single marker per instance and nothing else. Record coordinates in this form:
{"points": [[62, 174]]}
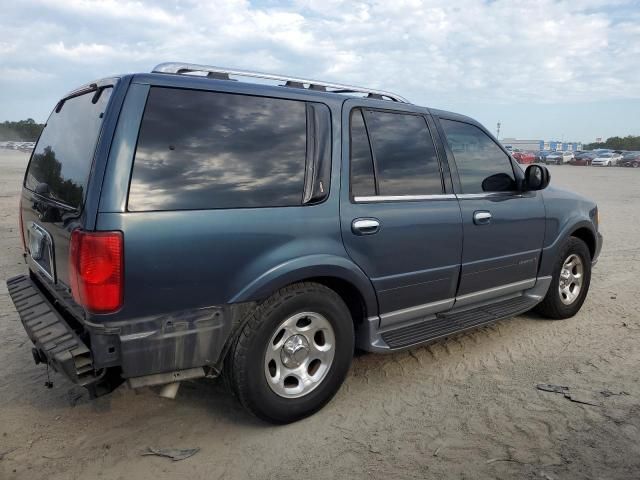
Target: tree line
{"points": [[28, 131], [629, 142], [21, 131]]}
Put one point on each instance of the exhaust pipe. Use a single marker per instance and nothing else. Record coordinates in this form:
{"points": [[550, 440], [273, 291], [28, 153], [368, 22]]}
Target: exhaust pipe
{"points": [[169, 382], [169, 390]]}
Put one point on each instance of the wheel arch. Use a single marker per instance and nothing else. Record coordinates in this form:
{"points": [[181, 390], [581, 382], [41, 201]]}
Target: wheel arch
{"points": [[338, 273], [587, 236], [580, 228]]}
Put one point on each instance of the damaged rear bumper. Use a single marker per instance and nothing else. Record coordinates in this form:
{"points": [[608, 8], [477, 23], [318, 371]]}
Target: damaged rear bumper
{"points": [[163, 348], [56, 343]]}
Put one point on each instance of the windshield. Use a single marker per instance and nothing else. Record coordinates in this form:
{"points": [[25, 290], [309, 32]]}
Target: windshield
{"points": [[61, 161]]}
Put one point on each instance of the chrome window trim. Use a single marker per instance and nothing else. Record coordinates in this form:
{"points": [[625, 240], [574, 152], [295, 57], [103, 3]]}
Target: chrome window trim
{"points": [[403, 198]]}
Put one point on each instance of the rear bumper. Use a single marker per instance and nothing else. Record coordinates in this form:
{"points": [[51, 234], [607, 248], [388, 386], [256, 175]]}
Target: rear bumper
{"points": [[167, 343], [55, 341]]}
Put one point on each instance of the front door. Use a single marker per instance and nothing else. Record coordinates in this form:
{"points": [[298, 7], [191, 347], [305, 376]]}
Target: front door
{"points": [[503, 227], [399, 222]]}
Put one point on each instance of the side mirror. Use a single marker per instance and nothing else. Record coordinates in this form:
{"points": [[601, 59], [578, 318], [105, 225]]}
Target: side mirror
{"points": [[536, 177]]}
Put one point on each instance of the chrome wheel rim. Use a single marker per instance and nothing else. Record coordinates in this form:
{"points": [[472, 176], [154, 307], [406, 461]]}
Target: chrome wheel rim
{"points": [[571, 279], [299, 354]]}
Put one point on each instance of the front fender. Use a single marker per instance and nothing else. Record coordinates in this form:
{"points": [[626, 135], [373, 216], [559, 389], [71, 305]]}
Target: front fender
{"points": [[304, 268], [550, 252]]}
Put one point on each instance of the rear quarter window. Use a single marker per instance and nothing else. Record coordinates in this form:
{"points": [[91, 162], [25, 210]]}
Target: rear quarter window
{"points": [[207, 150]]}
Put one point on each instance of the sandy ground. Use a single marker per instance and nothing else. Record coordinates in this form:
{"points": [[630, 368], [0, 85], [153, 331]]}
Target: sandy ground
{"points": [[464, 408]]}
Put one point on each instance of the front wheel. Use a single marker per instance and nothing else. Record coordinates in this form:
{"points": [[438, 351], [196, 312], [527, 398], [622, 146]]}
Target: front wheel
{"points": [[293, 354], [569, 283]]}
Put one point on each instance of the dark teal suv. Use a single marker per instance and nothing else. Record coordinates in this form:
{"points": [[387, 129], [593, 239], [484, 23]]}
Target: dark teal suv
{"points": [[181, 224]]}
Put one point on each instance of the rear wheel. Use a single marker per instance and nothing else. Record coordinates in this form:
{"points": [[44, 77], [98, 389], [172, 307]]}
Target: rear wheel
{"points": [[293, 354], [635, 164], [570, 281]]}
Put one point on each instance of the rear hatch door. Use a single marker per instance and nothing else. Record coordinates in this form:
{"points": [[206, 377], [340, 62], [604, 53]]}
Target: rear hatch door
{"points": [[55, 187]]}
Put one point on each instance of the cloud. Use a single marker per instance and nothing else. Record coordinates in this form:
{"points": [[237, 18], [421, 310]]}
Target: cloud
{"points": [[433, 52]]}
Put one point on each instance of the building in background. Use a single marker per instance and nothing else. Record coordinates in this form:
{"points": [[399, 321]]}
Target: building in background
{"points": [[534, 145]]}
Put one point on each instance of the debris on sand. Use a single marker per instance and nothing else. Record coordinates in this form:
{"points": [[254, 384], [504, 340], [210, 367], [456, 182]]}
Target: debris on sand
{"points": [[174, 454], [608, 393], [564, 390]]}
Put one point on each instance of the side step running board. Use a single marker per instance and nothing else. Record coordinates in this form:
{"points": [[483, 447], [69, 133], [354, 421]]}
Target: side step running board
{"points": [[449, 323]]}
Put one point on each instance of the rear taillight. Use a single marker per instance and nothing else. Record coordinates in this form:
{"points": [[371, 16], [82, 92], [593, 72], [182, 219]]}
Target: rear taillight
{"points": [[96, 270]]}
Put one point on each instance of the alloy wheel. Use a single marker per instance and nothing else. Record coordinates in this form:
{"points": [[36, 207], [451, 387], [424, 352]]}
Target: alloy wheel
{"points": [[299, 354], [571, 279]]}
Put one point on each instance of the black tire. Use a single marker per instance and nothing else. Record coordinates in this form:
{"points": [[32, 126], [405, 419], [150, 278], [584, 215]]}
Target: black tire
{"points": [[552, 305], [244, 366]]}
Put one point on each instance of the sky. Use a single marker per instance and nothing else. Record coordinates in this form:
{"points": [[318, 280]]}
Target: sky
{"points": [[554, 70]]}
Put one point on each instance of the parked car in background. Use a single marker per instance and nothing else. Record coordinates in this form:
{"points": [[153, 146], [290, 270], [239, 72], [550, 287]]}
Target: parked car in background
{"points": [[559, 158], [541, 155], [583, 158], [630, 159], [607, 159], [524, 157]]}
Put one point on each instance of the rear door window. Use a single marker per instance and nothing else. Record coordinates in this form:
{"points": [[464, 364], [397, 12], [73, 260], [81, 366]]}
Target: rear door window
{"points": [[62, 158], [392, 154], [404, 154], [205, 150], [482, 165]]}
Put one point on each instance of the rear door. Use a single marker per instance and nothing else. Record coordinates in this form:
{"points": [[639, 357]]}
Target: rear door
{"points": [[503, 227], [400, 221], [56, 183]]}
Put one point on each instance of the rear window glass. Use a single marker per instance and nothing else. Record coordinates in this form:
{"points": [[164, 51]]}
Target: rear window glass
{"points": [[202, 150], [62, 159]]}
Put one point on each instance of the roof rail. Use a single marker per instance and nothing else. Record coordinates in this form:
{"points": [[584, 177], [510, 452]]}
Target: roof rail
{"points": [[223, 73]]}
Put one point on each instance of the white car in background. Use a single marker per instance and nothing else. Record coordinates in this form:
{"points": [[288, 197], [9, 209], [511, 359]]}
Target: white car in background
{"points": [[606, 159], [559, 158]]}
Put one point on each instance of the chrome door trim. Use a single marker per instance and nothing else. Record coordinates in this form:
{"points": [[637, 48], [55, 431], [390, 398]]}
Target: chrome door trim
{"points": [[489, 293], [411, 313], [405, 314], [403, 198], [468, 196]]}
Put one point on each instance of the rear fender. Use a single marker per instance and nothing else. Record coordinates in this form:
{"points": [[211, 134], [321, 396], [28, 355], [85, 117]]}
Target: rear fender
{"points": [[304, 268]]}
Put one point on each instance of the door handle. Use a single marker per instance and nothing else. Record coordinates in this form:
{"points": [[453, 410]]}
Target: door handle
{"points": [[365, 226], [481, 217]]}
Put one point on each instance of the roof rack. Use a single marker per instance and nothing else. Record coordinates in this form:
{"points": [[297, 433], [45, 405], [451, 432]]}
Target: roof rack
{"points": [[223, 73]]}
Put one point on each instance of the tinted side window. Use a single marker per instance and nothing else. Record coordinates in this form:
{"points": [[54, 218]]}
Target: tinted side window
{"points": [[482, 165], [362, 178], [62, 159], [200, 150], [405, 157]]}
